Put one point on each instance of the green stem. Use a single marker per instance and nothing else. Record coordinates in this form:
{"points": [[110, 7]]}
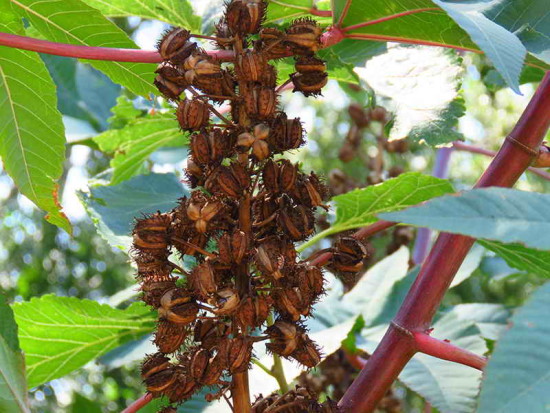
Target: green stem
{"points": [[318, 237], [277, 370], [262, 366]]}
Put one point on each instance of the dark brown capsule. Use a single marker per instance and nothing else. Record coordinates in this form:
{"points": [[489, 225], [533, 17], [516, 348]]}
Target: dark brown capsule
{"points": [[192, 114], [310, 64], [172, 42], [169, 336], [250, 66], [309, 83], [169, 90], [178, 306], [304, 36], [272, 43], [153, 364], [245, 16], [203, 280]]}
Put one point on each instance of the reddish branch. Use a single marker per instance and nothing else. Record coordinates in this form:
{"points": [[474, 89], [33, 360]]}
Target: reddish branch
{"points": [[386, 18], [139, 403], [474, 149], [415, 315], [446, 351]]}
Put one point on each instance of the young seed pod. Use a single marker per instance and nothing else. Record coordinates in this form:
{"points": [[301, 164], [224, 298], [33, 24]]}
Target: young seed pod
{"points": [[169, 336], [178, 307], [245, 16], [192, 114], [309, 83], [304, 36]]}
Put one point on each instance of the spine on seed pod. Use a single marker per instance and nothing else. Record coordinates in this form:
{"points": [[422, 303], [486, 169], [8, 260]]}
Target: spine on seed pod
{"points": [[248, 202]]}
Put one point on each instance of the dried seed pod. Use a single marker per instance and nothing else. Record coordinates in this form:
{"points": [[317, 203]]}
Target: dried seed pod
{"points": [[178, 306], [195, 175], [170, 90], [397, 146], [173, 42], [209, 332], [226, 301], [304, 36], [348, 254], [296, 221], [310, 191], [269, 260], [294, 401], [209, 148], [290, 302], [153, 291], [309, 83], [203, 280], [253, 311], [216, 366], [245, 16], [272, 43], [310, 64], [260, 102], [199, 362], [193, 114], [255, 140], [201, 66], [310, 279], [284, 337], [250, 66], [159, 382], [358, 115], [218, 89], [151, 234], [172, 73], [152, 268], [232, 180], [232, 248], [238, 354], [182, 388], [153, 364], [202, 211], [269, 77], [285, 134], [307, 352], [169, 336]]}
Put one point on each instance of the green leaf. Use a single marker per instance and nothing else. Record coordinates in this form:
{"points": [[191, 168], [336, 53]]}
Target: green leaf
{"points": [[134, 143], [114, 208], [82, 404], [527, 19], [525, 259], [32, 136], [502, 47], [62, 334], [405, 72], [285, 10], [516, 378], [71, 21], [13, 386], [359, 207], [175, 12], [499, 214], [123, 112]]}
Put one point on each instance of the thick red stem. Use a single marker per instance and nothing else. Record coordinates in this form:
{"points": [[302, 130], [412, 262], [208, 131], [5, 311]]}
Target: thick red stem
{"points": [[139, 403], [415, 315], [461, 146], [446, 351], [391, 17]]}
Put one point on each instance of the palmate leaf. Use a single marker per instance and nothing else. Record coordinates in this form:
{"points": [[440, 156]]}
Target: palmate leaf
{"points": [[32, 136], [422, 21], [525, 259], [175, 12], [72, 21], [359, 207], [13, 386], [516, 378], [133, 144], [499, 214], [62, 334], [285, 10]]}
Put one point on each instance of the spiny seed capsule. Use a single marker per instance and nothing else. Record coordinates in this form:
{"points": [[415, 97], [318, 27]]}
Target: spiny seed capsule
{"points": [[308, 64], [304, 36], [245, 16], [169, 90], [250, 66], [272, 43], [172, 42], [309, 83], [192, 114]]}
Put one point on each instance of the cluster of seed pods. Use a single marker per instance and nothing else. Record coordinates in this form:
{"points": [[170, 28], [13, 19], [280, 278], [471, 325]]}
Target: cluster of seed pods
{"points": [[247, 209]]}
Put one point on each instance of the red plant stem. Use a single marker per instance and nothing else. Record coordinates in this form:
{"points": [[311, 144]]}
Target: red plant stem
{"points": [[446, 351], [422, 301], [386, 18], [344, 13], [139, 403], [461, 146]]}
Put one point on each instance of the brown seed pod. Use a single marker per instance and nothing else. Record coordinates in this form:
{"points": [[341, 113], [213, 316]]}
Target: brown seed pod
{"points": [[238, 354], [209, 148], [304, 36], [285, 134], [232, 180], [398, 146], [284, 337], [203, 280], [250, 66], [195, 175], [209, 332], [232, 248], [153, 364], [269, 260], [152, 268], [226, 301], [177, 306], [309, 83], [202, 211], [310, 64], [159, 382], [253, 311], [192, 114], [348, 254], [291, 302], [256, 139], [172, 73], [199, 362], [260, 102], [169, 336], [216, 366], [358, 115], [310, 191], [151, 234], [307, 352], [310, 279], [245, 16], [173, 42], [153, 291], [169, 90], [182, 388], [201, 66], [296, 221], [272, 43]]}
